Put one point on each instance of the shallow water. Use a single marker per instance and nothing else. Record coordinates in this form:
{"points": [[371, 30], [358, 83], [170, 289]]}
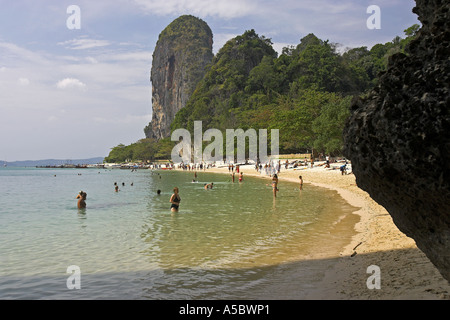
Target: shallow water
{"points": [[232, 242]]}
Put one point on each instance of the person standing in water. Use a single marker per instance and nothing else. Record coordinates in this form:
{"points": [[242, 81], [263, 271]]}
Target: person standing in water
{"points": [[175, 200], [82, 196], [241, 175], [275, 185], [301, 182]]}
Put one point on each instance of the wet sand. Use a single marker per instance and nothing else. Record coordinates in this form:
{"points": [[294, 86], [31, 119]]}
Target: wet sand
{"points": [[404, 271]]}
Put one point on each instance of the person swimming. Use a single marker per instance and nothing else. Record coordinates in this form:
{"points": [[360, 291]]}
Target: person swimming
{"points": [[82, 196], [175, 200], [209, 186]]}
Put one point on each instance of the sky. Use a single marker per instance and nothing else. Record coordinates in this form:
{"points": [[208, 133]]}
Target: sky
{"points": [[74, 84]]}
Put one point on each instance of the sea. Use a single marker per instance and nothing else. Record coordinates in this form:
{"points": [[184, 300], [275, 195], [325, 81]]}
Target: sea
{"points": [[235, 241]]}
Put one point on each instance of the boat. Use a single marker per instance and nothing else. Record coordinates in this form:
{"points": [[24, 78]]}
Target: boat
{"points": [[112, 166]]}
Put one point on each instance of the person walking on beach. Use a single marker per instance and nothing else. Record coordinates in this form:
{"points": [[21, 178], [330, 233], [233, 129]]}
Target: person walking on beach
{"points": [[82, 199], [275, 185], [301, 182], [175, 200]]}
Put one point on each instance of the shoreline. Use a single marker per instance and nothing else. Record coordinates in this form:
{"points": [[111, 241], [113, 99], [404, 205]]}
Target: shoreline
{"points": [[405, 272]]}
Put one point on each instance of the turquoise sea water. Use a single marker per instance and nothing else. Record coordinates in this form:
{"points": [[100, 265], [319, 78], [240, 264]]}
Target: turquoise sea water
{"points": [[232, 242]]}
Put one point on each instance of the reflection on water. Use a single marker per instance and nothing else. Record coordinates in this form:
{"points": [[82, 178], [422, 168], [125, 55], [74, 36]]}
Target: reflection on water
{"points": [[128, 244]]}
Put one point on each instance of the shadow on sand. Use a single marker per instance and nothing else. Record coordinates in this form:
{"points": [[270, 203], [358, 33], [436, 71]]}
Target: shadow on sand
{"points": [[331, 278]]}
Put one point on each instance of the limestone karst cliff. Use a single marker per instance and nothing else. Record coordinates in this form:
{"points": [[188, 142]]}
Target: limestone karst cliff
{"points": [[182, 52], [398, 137]]}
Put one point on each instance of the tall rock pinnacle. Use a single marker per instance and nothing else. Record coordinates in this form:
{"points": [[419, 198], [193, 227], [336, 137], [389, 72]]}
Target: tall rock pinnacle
{"points": [[183, 50]]}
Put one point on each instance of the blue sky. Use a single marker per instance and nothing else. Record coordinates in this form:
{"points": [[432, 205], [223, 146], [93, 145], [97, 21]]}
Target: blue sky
{"points": [[76, 93]]}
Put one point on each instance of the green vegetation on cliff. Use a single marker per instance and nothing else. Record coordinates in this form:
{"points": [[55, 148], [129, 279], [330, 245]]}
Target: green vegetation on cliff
{"points": [[305, 92], [223, 86]]}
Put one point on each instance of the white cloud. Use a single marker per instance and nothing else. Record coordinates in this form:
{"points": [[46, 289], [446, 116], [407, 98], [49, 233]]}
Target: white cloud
{"points": [[130, 56], [220, 39], [91, 60], [70, 83], [23, 81], [12, 51], [84, 43], [202, 8], [127, 119], [278, 46]]}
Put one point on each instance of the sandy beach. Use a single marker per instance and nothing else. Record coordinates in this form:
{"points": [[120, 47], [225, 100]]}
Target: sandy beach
{"points": [[404, 271]]}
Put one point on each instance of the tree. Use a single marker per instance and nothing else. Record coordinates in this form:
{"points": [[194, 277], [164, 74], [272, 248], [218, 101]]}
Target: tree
{"points": [[144, 149], [120, 153], [328, 126]]}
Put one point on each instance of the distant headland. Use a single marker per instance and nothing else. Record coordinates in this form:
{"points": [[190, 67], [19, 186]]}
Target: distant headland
{"points": [[53, 162]]}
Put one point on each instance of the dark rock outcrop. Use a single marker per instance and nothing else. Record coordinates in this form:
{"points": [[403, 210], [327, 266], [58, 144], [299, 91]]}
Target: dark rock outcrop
{"points": [[183, 50], [398, 137]]}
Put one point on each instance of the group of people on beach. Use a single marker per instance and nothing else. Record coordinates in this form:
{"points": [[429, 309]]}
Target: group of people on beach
{"points": [[175, 199]]}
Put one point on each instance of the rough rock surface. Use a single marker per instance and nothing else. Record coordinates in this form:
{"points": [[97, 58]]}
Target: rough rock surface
{"points": [[183, 50], [398, 137]]}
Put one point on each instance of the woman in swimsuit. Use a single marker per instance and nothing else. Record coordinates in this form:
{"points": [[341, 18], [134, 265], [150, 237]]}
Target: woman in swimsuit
{"points": [[275, 185], [175, 200], [82, 196]]}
